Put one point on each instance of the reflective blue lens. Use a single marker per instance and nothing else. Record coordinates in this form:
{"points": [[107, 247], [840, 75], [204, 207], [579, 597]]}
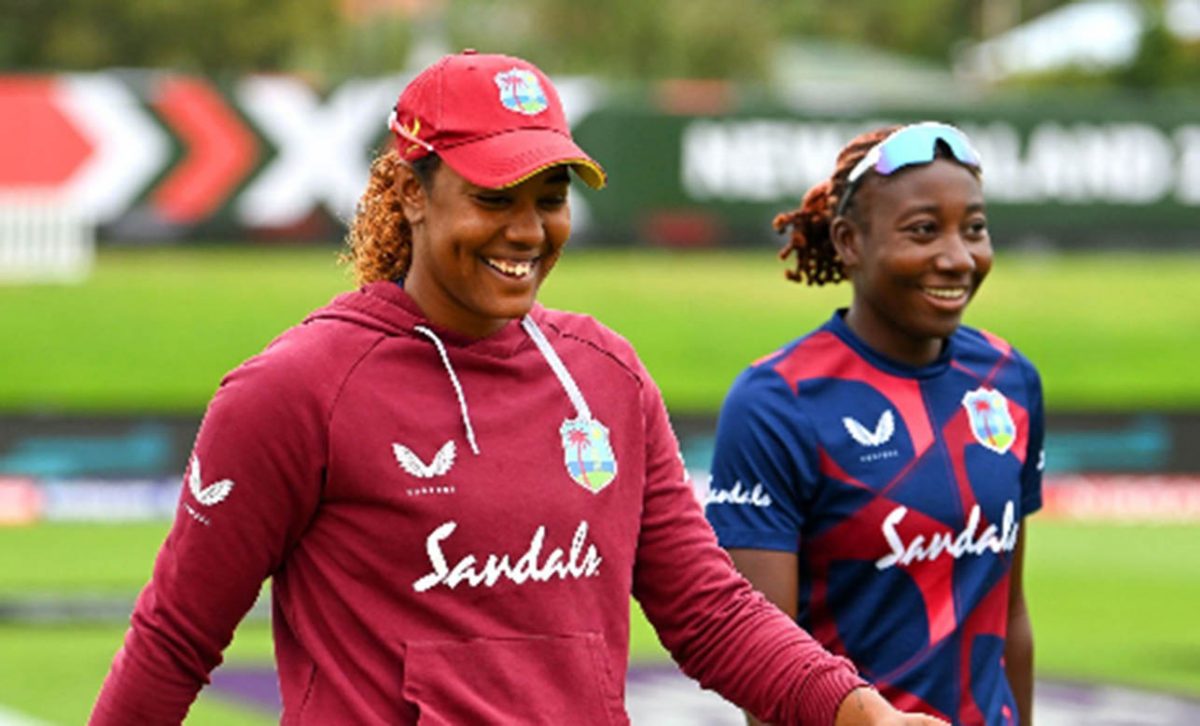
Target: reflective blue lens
{"points": [[911, 145], [915, 144]]}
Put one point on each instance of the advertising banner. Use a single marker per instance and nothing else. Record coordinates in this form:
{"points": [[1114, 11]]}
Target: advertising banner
{"points": [[1105, 173], [156, 156]]}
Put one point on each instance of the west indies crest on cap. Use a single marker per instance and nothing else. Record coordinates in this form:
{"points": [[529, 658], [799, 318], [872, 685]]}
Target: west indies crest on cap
{"points": [[495, 119]]}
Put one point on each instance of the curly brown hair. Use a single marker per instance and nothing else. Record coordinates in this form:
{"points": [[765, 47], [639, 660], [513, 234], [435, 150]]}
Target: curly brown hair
{"points": [[817, 261], [379, 242]]}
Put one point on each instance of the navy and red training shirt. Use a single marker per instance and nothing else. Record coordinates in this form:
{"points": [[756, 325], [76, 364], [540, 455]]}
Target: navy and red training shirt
{"points": [[902, 490]]}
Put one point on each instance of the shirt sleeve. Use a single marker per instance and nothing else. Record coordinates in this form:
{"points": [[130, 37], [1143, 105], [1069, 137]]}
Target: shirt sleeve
{"points": [[720, 630], [250, 487], [763, 469], [1035, 457]]}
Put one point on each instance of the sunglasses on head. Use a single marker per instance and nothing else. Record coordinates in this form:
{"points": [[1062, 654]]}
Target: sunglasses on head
{"points": [[909, 146]]}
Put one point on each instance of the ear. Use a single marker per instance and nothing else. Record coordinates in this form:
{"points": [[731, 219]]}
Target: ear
{"points": [[414, 198], [847, 241]]}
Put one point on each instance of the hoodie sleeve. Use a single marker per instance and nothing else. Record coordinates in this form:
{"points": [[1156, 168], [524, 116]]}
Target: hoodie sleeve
{"points": [[249, 490], [722, 632]]}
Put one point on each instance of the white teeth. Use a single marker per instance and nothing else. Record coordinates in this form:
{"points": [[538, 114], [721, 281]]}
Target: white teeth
{"points": [[511, 268], [946, 293]]}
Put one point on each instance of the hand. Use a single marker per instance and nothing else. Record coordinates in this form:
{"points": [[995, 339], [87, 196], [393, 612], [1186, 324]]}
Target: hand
{"points": [[865, 707]]}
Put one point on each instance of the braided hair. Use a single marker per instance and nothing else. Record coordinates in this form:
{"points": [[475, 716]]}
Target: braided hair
{"points": [[808, 226], [379, 242]]}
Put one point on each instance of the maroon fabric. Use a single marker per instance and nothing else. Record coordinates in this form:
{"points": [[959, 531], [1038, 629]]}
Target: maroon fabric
{"points": [[491, 588]]}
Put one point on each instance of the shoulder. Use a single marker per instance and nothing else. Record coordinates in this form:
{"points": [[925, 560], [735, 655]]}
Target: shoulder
{"points": [[305, 364], [984, 345], [583, 337], [993, 358], [812, 355], [768, 389]]}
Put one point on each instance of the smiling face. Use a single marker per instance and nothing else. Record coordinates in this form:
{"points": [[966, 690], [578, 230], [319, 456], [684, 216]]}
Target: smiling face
{"points": [[916, 249], [479, 254]]}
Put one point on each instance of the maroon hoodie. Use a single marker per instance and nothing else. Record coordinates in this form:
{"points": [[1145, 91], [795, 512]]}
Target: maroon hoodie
{"points": [[452, 528]]}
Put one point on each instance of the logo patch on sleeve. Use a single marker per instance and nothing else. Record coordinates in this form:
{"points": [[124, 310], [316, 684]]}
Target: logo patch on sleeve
{"points": [[206, 496], [214, 493]]}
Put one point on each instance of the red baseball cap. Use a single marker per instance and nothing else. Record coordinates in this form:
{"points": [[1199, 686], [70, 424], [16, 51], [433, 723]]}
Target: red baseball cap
{"points": [[495, 119]]}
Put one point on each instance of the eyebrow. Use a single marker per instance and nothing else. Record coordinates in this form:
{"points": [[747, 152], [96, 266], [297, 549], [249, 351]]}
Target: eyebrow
{"points": [[933, 208]]}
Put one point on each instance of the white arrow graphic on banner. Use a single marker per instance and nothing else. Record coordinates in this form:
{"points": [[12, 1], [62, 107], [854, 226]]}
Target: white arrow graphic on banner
{"points": [[321, 151], [129, 148]]}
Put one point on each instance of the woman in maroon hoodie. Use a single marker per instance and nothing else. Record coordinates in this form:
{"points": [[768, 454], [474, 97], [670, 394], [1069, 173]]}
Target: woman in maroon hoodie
{"points": [[454, 490]]}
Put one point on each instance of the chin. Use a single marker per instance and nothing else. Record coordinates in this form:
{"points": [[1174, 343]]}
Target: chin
{"points": [[946, 328], [932, 326], [514, 309]]}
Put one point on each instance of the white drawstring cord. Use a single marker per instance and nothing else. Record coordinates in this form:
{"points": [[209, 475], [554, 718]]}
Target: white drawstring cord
{"points": [[462, 399], [564, 376]]}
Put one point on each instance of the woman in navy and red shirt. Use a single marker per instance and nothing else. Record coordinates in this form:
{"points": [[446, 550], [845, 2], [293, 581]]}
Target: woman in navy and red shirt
{"points": [[872, 477]]}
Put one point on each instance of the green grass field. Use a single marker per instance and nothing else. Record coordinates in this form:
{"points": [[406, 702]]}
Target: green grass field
{"points": [[154, 330]]}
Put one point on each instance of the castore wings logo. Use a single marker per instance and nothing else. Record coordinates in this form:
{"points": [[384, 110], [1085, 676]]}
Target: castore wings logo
{"points": [[884, 428]]}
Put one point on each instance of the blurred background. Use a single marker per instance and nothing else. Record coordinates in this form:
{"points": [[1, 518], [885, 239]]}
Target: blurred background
{"points": [[175, 180]]}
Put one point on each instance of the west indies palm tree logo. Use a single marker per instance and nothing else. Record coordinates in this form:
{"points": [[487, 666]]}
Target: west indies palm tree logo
{"points": [[991, 422], [587, 453], [521, 92]]}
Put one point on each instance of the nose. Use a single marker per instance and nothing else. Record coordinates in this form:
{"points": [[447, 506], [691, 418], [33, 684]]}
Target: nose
{"points": [[955, 255], [525, 225]]}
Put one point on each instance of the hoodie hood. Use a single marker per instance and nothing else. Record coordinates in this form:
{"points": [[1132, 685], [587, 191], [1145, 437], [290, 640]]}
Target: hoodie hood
{"points": [[385, 307]]}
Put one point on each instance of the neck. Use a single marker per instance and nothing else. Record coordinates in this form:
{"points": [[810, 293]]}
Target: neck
{"points": [[886, 340]]}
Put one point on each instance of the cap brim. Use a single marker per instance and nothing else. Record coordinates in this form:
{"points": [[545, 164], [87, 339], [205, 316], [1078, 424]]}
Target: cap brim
{"points": [[509, 158]]}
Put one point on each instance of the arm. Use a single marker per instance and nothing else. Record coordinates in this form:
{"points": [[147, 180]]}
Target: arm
{"points": [[865, 707], [761, 446], [1018, 645], [249, 489], [774, 574], [722, 632]]}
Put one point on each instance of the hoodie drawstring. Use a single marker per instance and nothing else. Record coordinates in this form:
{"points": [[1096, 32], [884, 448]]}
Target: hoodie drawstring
{"points": [[564, 376], [462, 399], [539, 339]]}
